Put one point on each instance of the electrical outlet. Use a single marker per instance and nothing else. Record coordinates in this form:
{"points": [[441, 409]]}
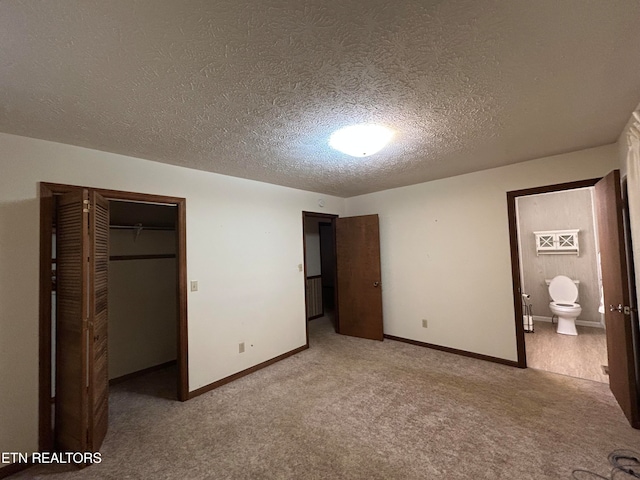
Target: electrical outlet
{"points": [[424, 323], [241, 347], [194, 285]]}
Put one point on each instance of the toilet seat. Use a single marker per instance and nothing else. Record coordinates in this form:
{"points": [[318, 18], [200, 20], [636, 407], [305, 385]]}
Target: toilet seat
{"points": [[565, 306], [563, 290]]}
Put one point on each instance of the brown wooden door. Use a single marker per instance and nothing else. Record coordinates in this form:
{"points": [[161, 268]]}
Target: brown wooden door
{"points": [[81, 412], [619, 328], [358, 274]]}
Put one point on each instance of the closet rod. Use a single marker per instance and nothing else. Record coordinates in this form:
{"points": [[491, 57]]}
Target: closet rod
{"points": [[140, 227]]}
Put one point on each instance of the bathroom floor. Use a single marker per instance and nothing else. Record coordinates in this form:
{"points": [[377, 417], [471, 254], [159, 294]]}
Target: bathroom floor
{"points": [[580, 356]]}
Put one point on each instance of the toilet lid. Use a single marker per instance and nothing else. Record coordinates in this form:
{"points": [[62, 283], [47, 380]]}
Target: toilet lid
{"points": [[562, 289]]}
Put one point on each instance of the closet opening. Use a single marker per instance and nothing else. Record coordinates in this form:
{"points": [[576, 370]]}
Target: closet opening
{"points": [[143, 299], [112, 281]]}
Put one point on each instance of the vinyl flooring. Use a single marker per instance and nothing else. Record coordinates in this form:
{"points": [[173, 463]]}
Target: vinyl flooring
{"points": [[580, 356]]}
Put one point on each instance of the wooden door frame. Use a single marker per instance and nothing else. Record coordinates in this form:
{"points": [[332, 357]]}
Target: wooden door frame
{"points": [[515, 254], [47, 207], [331, 218], [326, 224]]}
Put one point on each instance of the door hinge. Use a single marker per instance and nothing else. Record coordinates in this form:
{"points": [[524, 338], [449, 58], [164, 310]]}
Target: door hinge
{"points": [[87, 206], [627, 310]]}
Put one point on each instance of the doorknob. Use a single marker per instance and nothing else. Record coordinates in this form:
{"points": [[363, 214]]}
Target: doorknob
{"points": [[616, 309], [375, 284]]}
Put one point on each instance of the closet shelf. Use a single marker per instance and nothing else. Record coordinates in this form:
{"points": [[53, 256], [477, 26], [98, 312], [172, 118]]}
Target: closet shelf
{"points": [[141, 257], [139, 227]]}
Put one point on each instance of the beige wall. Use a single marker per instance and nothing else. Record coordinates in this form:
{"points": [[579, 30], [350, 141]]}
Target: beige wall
{"points": [[445, 250], [564, 210], [244, 245], [142, 301]]}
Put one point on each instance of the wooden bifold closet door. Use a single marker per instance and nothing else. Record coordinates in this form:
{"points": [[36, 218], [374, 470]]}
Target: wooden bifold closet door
{"points": [[82, 382]]}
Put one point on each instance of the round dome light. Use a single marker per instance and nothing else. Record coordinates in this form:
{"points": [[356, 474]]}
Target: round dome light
{"points": [[360, 140]]}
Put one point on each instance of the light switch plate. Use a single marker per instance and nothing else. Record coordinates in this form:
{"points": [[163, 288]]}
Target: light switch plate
{"points": [[194, 285]]}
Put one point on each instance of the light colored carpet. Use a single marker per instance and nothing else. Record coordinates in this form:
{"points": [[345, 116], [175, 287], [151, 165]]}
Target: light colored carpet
{"points": [[579, 356], [349, 408]]}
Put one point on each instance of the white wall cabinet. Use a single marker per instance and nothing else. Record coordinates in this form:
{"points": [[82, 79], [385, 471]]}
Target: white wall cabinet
{"points": [[557, 242]]}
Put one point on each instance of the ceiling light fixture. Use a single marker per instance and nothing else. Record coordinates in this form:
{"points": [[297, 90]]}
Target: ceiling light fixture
{"points": [[360, 140]]}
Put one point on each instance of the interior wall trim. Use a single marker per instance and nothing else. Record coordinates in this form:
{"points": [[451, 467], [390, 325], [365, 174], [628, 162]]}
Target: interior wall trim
{"points": [[464, 353], [247, 371], [144, 371], [580, 323]]}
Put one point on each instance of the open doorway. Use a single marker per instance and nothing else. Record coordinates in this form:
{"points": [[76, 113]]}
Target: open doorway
{"points": [[620, 310], [82, 237], [320, 268], [557, 239], [352, 246]]}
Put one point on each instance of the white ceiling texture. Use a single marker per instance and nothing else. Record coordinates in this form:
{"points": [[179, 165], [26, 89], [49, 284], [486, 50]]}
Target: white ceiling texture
{"points": [[254, 88]]}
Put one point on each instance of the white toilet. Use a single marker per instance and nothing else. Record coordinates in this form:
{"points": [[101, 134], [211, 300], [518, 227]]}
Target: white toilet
{"points": [[564, 293]]}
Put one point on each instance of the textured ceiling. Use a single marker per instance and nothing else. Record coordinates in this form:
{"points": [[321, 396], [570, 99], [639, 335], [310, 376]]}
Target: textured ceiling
{"points": [[254, 88]]}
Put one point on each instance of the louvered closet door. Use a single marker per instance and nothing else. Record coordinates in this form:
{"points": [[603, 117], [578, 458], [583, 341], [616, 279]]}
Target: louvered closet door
{"points": [[82, 382], [72, 245], [98, 364]]}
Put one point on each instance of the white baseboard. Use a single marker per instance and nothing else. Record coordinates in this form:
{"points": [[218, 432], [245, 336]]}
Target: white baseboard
{"points": [[581, 323]]}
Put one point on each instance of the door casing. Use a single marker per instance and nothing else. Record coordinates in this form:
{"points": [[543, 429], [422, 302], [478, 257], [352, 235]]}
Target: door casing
{"points": [[47, 210]]}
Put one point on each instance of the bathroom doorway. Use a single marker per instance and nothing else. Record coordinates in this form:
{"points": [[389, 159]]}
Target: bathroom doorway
{"points": [[618, 283], [557, 236]]}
